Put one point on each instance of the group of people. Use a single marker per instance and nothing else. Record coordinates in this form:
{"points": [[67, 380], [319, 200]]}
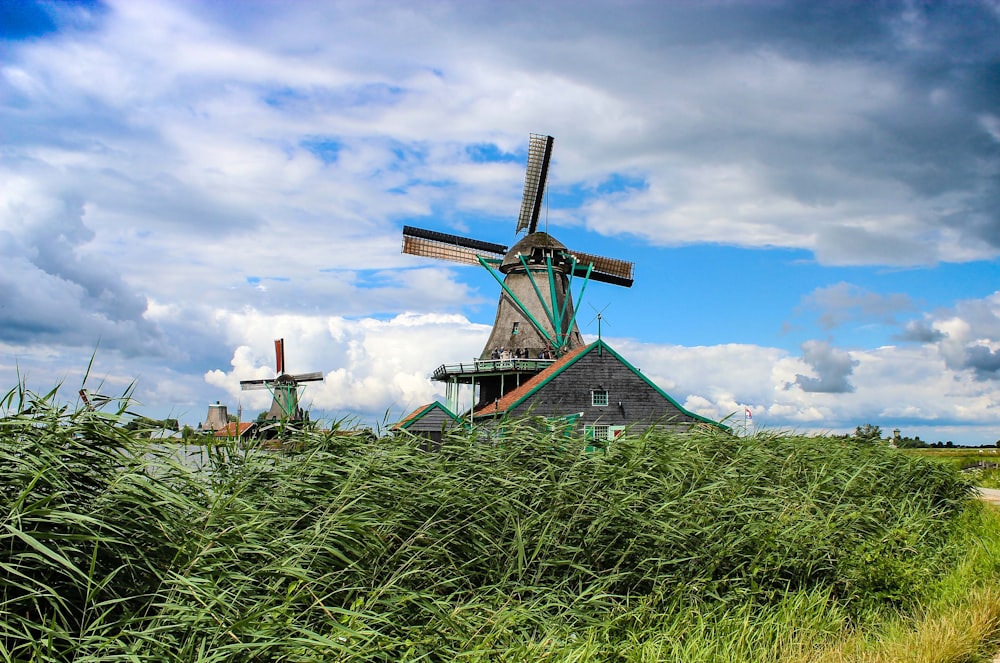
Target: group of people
{"points": [[504, 354]]}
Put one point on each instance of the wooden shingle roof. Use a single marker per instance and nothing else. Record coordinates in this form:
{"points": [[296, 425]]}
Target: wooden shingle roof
{"points": [[515, 396]]}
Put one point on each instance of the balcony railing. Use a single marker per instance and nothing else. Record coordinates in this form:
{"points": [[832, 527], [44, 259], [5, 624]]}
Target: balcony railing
{"points": [[492, 366]]}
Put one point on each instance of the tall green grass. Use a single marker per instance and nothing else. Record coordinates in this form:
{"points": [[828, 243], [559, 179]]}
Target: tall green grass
{"points": [[699, 547]]}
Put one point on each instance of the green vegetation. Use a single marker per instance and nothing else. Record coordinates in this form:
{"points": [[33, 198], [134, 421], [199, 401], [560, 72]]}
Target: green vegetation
{"points": [[703, 547], [981, 466]]}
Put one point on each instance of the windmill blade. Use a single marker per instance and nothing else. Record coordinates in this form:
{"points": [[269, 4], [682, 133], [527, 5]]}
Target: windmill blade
{"points": [[279, 355], [431, 244], [247, 385], [606, 270], [539, 153], [307, 377]]}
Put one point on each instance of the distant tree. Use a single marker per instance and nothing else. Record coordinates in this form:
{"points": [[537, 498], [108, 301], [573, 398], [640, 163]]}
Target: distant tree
{"points": [[869, 432], [949, 444], [910, 443], [998, 443], [233, 419]]}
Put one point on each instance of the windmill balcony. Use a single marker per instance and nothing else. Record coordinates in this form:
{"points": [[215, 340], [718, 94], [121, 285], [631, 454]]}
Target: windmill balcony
{"points": [[480, 367]]}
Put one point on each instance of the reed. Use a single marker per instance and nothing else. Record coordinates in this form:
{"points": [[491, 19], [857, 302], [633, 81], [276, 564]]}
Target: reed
{"points": [[697, 547]]}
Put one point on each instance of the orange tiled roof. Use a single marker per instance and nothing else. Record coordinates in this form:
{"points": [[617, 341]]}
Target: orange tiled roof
{"points": [[511, 397], [234, 429]]}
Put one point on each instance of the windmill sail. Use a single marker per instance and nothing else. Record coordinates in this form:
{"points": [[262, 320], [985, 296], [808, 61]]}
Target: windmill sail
{"points": [[431, 244], [539, 153], [283, 387], [606, 270], [307, 377], [536, 316], [279, 356]]}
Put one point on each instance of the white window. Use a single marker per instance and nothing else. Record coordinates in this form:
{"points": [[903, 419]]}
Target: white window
{"points": [[599, 397], [602, 432]]}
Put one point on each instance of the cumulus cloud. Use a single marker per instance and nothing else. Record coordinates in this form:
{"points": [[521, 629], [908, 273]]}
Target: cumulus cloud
{"points": [[844, 302], [966, 336], [371, 367], [984, 361], [53, 288], [920, 331], [186, 182], [831, 369]]}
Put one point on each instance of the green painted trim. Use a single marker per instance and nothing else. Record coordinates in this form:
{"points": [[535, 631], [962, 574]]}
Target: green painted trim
{"points": [[604, 346], [517, 301], [556, 318], [579, 298], [541, 300], [290, 403], [652, 384], [423, 413]]}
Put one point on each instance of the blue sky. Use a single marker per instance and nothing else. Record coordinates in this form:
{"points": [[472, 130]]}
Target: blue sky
{"points": [[809, 192]]}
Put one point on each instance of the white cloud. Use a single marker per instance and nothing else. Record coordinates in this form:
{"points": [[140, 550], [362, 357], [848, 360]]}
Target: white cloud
{"points": [[370, 365], [162, 196]]}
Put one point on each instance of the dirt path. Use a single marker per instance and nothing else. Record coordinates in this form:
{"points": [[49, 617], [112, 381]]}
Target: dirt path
{"points": [[991, 495]]}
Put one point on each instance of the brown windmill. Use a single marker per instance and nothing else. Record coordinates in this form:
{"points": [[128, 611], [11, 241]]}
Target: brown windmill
{"points": [[284, 388], [535, 320]]}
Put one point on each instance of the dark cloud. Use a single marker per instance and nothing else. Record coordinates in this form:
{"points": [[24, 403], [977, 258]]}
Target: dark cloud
{"points": [[832, 368], [917, 331], [52, 293], [983, 361]]}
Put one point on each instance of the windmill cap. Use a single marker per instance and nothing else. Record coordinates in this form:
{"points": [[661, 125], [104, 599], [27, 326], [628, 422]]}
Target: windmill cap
{"points": [[529, 246]]}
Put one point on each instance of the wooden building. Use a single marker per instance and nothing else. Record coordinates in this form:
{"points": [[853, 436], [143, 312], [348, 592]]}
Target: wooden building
{"points": [[598, 387], [535, 361], [237, 430], [429, 421]]}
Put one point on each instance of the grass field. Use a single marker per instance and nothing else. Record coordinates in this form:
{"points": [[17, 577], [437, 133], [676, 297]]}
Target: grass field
{"points": [[700, 547], [968, 460]]}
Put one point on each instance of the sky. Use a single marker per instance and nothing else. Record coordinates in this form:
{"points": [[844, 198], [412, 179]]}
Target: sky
{"points": [[810, 192]]}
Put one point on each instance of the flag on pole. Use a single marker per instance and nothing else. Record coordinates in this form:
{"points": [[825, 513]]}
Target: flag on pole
{"points": [[747, 413]]}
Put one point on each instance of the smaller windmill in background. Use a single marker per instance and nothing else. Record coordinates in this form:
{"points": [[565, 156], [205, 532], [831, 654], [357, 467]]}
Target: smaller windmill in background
{"points": [[284, 388]]}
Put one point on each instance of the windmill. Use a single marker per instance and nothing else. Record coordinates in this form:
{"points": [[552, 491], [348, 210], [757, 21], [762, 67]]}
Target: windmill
{"points": [[284, 388], [535, 315]]}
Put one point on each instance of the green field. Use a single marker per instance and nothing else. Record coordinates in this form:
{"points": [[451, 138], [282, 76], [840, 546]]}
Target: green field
{"points": [[973, 462], [700, 547]]}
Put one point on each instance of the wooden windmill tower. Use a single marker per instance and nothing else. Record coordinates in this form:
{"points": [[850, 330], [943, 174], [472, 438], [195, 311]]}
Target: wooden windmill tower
{"points": [[284, 388], [535, 320]]}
